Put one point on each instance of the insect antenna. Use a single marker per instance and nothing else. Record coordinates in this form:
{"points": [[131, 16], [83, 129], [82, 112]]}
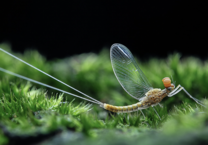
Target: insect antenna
{"points": [[174, 82]]}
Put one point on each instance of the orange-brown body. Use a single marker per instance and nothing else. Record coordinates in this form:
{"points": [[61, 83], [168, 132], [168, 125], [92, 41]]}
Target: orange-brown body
{"points": [[152, 98]]}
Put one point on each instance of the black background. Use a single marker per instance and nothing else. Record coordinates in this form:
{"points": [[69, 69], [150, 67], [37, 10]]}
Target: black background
{"points": [[148, 28]]}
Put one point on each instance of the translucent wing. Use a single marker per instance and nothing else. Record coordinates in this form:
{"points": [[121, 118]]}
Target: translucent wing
{"points": [[128, 73]]}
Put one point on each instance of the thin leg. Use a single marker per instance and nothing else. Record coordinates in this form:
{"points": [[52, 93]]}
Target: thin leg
{"points": [[142, 113], [196, 100], [127, 116], [160, 105], [175, 90], [156, 113], [182, 88], [130, 115]]}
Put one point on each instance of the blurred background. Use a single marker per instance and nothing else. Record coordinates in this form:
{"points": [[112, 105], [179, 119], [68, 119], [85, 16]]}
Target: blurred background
{"points": [[59, 29]]}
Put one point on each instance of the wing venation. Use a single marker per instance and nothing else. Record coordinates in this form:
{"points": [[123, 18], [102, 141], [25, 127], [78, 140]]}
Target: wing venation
{"points": [[128, 73]]}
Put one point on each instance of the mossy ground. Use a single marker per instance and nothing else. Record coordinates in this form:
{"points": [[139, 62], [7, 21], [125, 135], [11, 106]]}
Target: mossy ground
{"points": [[32, 114]]}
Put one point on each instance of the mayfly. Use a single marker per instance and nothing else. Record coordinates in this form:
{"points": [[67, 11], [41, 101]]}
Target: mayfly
{"points": [[131, 78]]}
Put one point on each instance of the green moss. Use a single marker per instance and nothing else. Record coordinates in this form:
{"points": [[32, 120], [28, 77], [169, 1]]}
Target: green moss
{"points": [[30, 111]]}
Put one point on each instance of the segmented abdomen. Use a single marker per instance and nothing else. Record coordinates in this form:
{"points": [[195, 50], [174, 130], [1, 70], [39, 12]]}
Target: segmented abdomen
{"points": [[123, 109]]}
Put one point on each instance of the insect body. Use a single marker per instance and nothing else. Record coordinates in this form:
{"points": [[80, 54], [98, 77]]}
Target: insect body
{"points": [[131, 78], [152, 98], [134, 82]]}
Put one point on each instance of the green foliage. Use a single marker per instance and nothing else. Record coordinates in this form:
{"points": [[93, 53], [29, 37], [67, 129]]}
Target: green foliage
{"points": [[27, 112]]}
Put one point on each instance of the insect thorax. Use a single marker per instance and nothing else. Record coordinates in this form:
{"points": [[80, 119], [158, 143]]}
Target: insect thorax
{"points": [[153, 97]]}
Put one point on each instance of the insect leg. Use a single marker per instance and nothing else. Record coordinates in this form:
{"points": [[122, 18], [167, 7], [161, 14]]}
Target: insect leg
{"points": [[142, 113], [196, 100], [156, 112], [160, 105], [182, 88], [176, 89], [175, 92]]}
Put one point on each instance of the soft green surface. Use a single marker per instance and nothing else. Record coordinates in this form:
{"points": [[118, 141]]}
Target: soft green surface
{"points": [[28, 110]]}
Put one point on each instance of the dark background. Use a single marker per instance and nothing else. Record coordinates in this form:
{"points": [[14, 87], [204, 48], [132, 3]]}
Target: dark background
{"points": [[148, 28]]}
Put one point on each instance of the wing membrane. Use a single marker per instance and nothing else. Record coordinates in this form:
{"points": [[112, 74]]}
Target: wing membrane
{"points": [[128, 73]]}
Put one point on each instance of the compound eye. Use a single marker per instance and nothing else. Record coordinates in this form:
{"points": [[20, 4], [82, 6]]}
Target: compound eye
{"points": [[166, 82], [169, 88]]}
